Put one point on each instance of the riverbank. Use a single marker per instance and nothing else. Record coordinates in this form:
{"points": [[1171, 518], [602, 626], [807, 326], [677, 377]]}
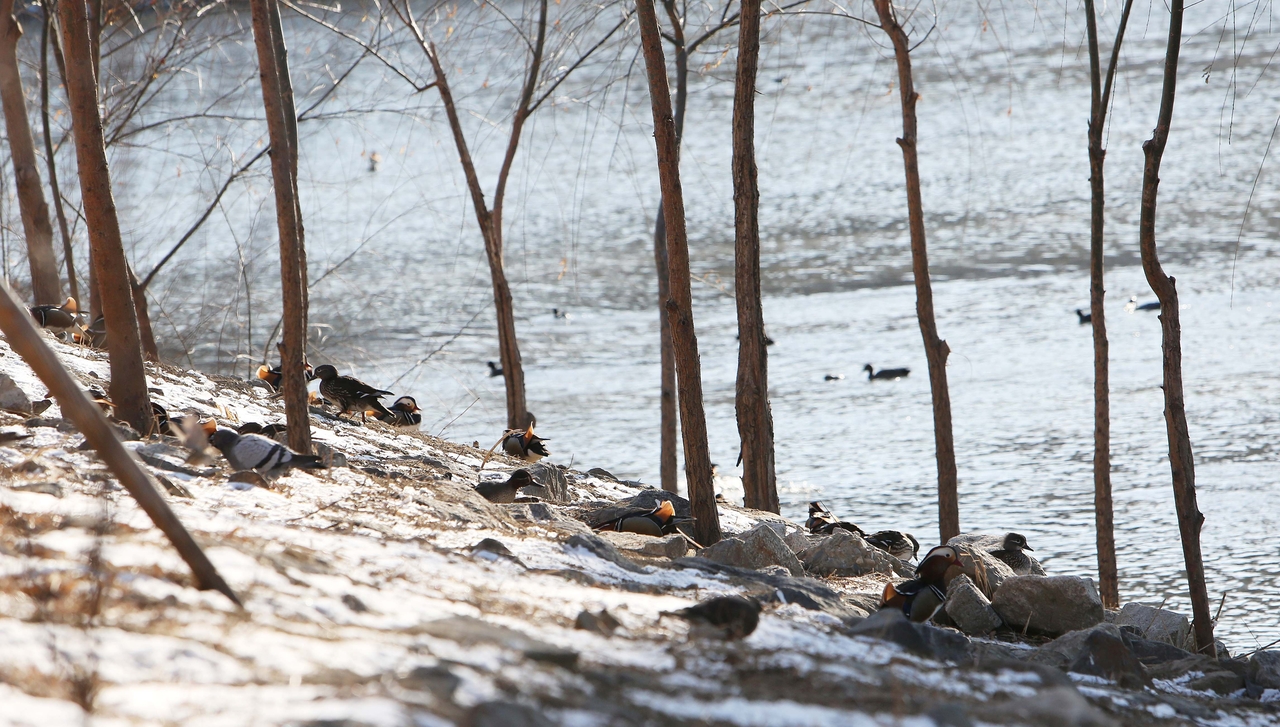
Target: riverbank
{"points": [[383, 591]]}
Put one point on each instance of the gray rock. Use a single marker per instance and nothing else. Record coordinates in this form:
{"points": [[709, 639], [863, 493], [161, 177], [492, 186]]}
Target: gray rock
{"points": [[1264, 669], [890, 624], [602, 549], [437, 680], [1206, 674], [552, 479], [1158, 624], [469, 631], [1097, 651], [602, 623], [757, 548], [969, 610], [505, 714], [1051, 605], [1053, 707], [798, 541], [843, 553], [668, 546], [13, 398], [1151, 652], [807, 593]]}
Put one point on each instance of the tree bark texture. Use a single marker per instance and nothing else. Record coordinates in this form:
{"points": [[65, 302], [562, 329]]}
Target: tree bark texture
{"points": [[693, 424], [669, 427], [1104, 512], [1181, 460], [89, 419], [935, 349], [288, 222], [46, 288], [755, 421], [50, 159], [128, 388]]}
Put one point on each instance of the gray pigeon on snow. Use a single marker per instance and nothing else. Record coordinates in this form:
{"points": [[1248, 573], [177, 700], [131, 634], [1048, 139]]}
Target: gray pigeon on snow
{"points": [[260, 454]]}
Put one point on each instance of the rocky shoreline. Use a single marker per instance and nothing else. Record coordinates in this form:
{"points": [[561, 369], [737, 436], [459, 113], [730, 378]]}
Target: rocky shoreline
{"points": [[385, 591]]}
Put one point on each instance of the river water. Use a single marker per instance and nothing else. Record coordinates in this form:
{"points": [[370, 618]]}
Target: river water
{"points": [[402, 296]]}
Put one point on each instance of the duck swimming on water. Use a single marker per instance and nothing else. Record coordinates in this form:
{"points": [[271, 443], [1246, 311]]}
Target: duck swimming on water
{"points": [[885, 374], [1084, 317], [494, 369], [1134, 305]]}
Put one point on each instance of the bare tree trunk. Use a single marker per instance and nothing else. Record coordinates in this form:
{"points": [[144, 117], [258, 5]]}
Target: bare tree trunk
{"points": [[49, 159], [1108, 576], [755, 421], [292, 281], [669, 428], [45, 286], [693, 424], [1181, 460], [490, 221], [128, 388], [144, 318], [935, 349], [291, 129]]}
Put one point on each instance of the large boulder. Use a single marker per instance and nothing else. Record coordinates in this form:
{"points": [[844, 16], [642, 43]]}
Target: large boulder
{"points": [[668, 546], [553, 481], [1098, 651], [1157, 624], [968, 609], [890, 624], [1051, 605], [12, 397], [757, 548], [843, 553], [1264, 669]]}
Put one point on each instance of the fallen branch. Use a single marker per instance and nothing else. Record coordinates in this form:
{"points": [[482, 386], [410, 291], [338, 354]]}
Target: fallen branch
{"points": [[26, 341]]}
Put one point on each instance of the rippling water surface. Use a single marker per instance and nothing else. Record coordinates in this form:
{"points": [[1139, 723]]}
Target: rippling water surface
{"points": [[1002, 144]]}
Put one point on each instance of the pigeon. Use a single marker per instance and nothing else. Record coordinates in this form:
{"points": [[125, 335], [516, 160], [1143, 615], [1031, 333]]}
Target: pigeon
{"points": [[726, 617], [255, 452], [349, 393], [505, 492]]}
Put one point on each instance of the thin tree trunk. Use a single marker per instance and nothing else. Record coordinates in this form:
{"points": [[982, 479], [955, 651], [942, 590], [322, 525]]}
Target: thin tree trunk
{"points": [[50, 161], [144, 318], [755, 421], [935, 349], [693, 424], [669, 427], [1108, 576], [490, 221], [45, 285], [1181, 460], [292, 285], [291, 129], [128, 387]]}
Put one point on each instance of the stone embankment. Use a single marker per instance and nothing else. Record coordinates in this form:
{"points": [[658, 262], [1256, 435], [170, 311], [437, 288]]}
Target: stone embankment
{"points": [[384, 591]]}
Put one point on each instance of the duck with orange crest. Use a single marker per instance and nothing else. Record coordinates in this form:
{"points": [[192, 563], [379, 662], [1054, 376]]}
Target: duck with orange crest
{"points": [[525, 444], [59, 318], [658, 521], [922, 596], [274, 377]]}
